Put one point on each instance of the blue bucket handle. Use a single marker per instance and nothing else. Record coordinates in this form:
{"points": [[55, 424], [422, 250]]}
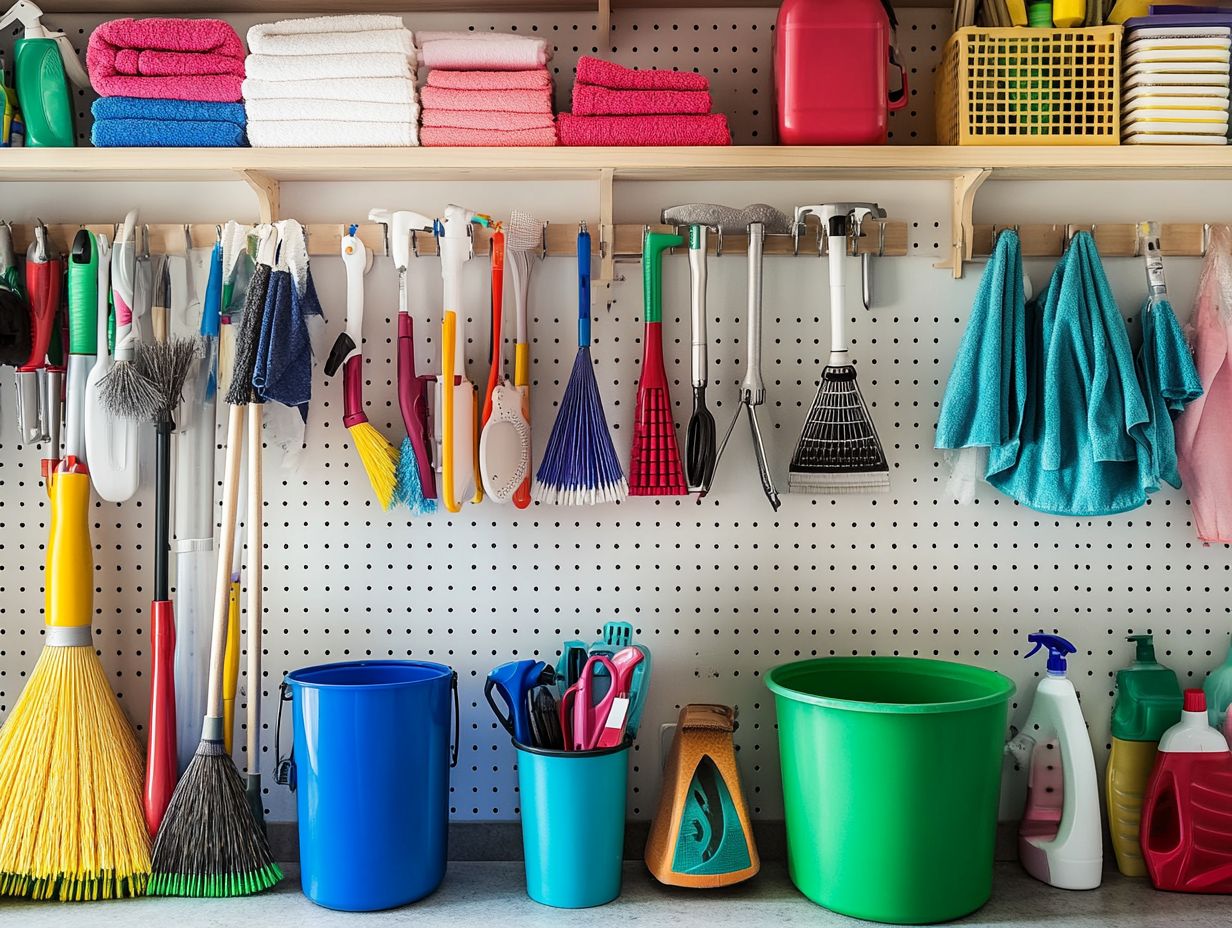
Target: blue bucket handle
{"points": [[284, 771]]}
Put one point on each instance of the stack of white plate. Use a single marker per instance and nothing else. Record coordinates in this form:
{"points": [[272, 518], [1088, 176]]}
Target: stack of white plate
{"points": [[1176, 82]]}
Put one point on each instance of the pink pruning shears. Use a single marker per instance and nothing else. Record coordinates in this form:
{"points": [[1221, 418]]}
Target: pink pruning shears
{"points": [[588, 725]]}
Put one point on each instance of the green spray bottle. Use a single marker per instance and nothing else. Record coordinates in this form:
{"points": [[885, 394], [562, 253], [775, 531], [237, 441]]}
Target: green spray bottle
{"points": [[43, 64]]}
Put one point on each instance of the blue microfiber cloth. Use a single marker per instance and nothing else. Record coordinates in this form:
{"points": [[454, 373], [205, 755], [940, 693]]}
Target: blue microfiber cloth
{"points": [[283, 372], [154, 133], [1084, 416], [1169, 381], [168, 110], [984, 398]]}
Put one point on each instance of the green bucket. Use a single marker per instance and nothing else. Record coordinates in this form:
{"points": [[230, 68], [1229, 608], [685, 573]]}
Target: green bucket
{"points": [[891, 778]]}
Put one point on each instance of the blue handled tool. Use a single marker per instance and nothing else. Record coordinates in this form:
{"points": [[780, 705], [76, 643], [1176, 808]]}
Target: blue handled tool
{"points": [[513, 682]]}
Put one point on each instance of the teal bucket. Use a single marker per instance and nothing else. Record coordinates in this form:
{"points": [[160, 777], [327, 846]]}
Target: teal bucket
{"points": [[370, 766], [573, 824]]}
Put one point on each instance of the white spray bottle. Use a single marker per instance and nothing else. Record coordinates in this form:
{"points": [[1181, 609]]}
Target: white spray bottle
{"points": [[1060, 840]]}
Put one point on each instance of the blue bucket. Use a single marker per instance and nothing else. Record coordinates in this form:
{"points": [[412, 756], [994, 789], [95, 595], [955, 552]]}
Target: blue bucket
{"points": [[573, 824], [370, 766]]}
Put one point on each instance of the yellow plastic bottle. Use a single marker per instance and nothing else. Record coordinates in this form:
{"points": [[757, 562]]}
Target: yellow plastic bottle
{"points": [[1148, 703], [1066, 14]]}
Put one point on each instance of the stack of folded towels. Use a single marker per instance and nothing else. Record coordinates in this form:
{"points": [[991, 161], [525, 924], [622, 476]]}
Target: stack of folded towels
{"points": [[614, 105], [332, 81], [486, 89], [166, 82]]}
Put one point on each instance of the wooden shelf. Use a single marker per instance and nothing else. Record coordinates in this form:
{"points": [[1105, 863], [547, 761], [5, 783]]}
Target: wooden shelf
{"points": [[293, 7], [754, 162]]}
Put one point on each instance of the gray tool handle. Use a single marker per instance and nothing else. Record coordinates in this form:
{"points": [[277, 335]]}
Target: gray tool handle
{"points": [[763, 466], [753, 388], [697, 285]]}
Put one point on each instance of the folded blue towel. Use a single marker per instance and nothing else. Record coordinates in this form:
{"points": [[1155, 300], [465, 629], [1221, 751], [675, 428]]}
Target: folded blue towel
{"points": [[283, 372], [168, 110], [983, 402], [1170, 381], [154, 133], [1084, 416]]}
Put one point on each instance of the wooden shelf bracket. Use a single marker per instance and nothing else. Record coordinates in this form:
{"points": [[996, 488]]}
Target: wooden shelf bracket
{"points": [[607, 226], [267, 191], [966, 185]]}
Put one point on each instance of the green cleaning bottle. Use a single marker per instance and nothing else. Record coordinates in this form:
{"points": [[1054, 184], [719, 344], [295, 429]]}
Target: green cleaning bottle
{"points": [[1218, 689], [43, 64], [1148, 703]]}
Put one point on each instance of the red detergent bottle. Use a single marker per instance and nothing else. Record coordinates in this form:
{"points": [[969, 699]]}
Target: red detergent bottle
{"points": [[1187, 814], [830, 64]]}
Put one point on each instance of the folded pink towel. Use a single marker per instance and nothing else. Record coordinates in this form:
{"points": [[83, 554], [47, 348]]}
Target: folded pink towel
{"points": [[600, 101], [480, 119], [175, 59], [643, 130], [602, 73], [509, 101], [538, 79], [481, 51], [441, 137]]}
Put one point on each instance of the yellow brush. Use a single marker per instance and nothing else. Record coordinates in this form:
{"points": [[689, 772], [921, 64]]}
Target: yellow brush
{"points": [[379, 457], [71, 822]]}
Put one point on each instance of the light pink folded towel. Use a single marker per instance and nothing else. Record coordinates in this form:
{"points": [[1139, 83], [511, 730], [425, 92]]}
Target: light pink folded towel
{"points": [[510, 101], [586, 131], [600, 101], [481, 119], [538, 79], [437, 137], [481, 51], [602, 73], [175, 59]]}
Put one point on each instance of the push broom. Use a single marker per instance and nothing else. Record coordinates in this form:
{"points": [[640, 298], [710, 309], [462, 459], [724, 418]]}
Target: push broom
{"points": [[839, 451], [210, 844], [71, 824], [655, 468], [579, 465]]}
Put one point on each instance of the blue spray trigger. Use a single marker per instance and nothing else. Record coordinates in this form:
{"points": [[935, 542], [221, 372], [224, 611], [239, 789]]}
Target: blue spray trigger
{"points": [[1057, 647]]}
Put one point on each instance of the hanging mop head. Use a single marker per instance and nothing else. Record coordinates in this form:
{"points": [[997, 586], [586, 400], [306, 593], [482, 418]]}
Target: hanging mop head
{"points": [[655, 467], [166, 365], [839, 451], [580, 465], [408, 489]]}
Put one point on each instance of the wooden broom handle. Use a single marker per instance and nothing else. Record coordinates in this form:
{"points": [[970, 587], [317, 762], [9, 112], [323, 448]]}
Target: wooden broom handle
{"points": [[255, 558], [222, 576]]}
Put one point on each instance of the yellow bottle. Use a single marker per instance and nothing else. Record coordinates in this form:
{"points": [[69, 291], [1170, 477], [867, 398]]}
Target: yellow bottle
{"points": [[1067, 14], [1148, 703]]}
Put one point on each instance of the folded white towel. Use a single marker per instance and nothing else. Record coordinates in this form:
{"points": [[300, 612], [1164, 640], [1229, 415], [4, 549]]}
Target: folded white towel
{"points": [[355, 22], [507, 38], [331, 134], [315, 67], [335, 43], [335, 110], [359, 89]]}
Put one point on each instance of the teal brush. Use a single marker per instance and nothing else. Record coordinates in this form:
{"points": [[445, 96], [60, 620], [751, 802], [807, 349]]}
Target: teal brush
{"points": [[409, 489]]}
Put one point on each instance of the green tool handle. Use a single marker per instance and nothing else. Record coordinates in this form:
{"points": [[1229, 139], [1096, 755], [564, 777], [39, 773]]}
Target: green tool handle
{"points": [[83, 295], [652, 271]]}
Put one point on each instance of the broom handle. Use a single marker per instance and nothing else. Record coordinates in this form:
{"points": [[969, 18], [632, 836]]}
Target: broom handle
{"points": [[837, 251], [212, 729], [255, 557], [583, 257]]}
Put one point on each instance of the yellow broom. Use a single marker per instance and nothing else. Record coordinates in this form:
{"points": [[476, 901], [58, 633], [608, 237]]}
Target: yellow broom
{"points": [[71, 824]]}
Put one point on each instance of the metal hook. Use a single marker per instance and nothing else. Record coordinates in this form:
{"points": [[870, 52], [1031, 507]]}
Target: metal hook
{"points": [[414, 243], [795, 239], [543, 241], [1206, 238], [856, 229], [881, 237], [718, 245]]}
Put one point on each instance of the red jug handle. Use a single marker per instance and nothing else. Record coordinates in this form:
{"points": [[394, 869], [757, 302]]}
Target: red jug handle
{"points": [[898, 98]]}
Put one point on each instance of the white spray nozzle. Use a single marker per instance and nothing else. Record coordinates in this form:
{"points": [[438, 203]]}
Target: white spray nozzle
{"points": [[30, 16]]}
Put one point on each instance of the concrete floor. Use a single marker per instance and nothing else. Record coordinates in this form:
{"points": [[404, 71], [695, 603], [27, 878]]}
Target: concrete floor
{"points": [[492, 894]]}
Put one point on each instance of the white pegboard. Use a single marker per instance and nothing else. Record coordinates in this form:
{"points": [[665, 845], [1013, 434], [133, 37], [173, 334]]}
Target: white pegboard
{"points": [[732, 47]]}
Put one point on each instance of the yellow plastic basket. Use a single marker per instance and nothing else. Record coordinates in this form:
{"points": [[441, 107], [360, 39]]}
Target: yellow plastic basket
{"points": [[1029, 86]]}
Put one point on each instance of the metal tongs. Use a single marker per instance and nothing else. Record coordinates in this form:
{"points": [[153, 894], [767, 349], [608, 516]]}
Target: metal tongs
{"points": [[753, 389]]}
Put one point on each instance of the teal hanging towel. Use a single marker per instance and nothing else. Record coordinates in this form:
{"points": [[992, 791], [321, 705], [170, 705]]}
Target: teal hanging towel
{"points": [[982, 410], [1084, 419], [1169, 382]]}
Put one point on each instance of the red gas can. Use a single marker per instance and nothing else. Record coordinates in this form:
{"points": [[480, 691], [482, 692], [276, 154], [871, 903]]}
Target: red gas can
{"points": [[830, 64], [1187, 812]]}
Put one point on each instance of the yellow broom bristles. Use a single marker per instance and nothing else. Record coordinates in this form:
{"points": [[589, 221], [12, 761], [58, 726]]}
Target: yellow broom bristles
{"points": [[380, 460], [71, 825]]}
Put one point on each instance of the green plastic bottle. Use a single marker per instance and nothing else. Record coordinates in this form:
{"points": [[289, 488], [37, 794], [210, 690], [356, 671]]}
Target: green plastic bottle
{"points": [[1148, 703], [43, 64], [1218, 689]]}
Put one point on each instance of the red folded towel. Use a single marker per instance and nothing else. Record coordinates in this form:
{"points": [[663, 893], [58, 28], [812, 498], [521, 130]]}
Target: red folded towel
{"points": [[643, 130], [491, 80], [600, 101], [509, 101], [609, 74], [174, 59], [437, 137], [479, 119]]}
